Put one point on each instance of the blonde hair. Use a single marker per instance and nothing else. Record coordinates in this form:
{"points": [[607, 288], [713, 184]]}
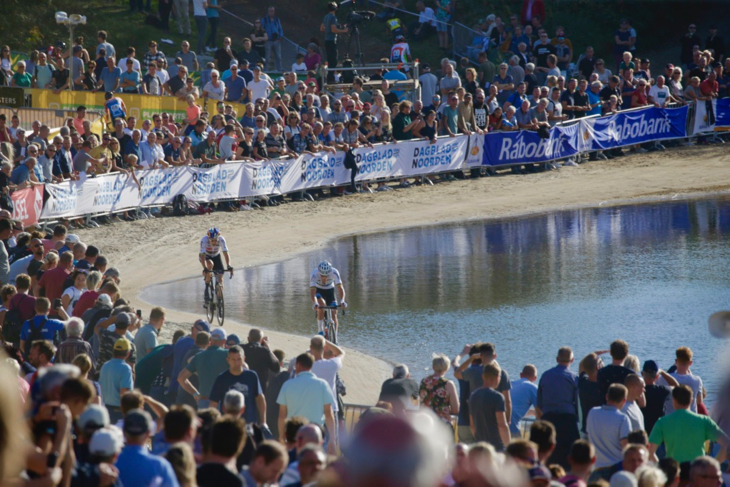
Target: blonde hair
{"points": [[180, 456], [440, 363]]}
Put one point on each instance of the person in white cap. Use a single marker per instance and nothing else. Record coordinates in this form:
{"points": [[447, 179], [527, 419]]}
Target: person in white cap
{"points": [[207, 365], [104, 448]]}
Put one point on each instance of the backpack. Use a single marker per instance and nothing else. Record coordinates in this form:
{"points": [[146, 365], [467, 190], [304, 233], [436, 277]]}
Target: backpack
{"points": [[36, 333], [180, 205], [13, 325]]}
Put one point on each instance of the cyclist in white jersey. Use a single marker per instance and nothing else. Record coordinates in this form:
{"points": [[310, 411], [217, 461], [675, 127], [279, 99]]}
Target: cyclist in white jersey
{"points": [[323, 281], [211, 247]]}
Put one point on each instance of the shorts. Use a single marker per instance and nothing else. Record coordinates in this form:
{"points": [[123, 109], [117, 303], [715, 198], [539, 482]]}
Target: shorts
{"points": [[442, 26], [217, 262], [327, 294]]}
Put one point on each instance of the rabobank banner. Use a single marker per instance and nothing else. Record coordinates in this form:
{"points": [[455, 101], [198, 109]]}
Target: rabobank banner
{"points": [[633, 127], [525, 146], [722, 115]]}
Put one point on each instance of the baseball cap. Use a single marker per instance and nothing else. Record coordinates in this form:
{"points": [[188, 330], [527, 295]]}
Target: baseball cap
{"points": [[670, 66], [233, 62], [425, 66], [72, 238], [122, 345], [124, 320], [106, 442], [366, 105], [645, 61], [94, 417], [256, 67], [280, 79], [233, 340], [716, 64], [540, 472], [104, 300], [137, 422], [202, 325], [218, 334], [311, 83], [650, 367], [244, 62]]}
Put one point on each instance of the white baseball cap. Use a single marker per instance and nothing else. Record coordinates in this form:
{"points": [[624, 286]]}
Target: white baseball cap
{"points": [[218, 334], [106, 442]]}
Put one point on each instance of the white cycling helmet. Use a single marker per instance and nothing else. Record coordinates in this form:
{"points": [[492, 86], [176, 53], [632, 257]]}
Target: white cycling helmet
{"points": [[324, 268]]}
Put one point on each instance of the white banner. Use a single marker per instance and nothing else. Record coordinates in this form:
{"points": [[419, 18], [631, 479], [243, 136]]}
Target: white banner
{"points": [[261, 178], [702, 119], [313, 171]]}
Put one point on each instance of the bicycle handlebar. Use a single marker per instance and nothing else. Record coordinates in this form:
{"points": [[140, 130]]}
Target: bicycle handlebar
{"points": [[221, 272]]}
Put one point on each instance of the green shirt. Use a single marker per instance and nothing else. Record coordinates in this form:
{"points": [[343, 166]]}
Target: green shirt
{"points": [[684, 433], [22, 79], [208, 365]]}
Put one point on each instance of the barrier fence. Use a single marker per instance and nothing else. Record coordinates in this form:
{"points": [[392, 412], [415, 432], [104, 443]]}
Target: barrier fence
{"points": [[46, 116], [238, 180]]}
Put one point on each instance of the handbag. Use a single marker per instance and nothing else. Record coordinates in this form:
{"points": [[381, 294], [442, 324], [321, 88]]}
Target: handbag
{"points": [[350, 162]]}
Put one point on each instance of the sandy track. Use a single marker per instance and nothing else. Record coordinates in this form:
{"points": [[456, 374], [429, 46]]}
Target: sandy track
{"points": [[163, 249]]}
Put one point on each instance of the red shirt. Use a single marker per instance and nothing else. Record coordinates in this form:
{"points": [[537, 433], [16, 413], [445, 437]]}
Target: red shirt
{"points": [[52, 281], [85, 302], [707, 88], [25, 304]]}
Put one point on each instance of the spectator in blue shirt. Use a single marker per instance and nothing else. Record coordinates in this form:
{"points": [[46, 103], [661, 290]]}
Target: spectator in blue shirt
{"points": [[274, 33], [24, 173], [557, 402], [524, 396], [49, 327], [136, 465], [110, 77], [235, 86]]}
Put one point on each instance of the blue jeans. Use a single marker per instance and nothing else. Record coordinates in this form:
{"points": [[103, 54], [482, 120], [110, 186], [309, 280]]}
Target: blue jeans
{"points": [[203, 404], [201, 23], [273, 53]]}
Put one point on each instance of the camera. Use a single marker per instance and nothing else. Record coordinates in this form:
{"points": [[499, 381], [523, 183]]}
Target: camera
{"points": [[359, 16]]}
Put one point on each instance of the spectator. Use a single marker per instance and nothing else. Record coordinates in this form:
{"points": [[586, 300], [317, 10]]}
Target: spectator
{"points": [[116, 379], [488, 355], [238, 378], [40, 327], [684, 432], [201, 22], [309, 435], [74, 344], [400, 390], [23, 301], [110, 76], [212, 12], [225, 55], [705, 468], [688, 42], [532, 9], [487, 410], [207, 365], [524, 397], [146, 338], [316, 404], [656, 394], [635, 386], [614, 373], [607, 428], [582, 457], [715, 43], [136, 465], [425, 26], [215, 88], [151, 82], [684, 376], [259, 357], [269, 462], [543, 434], [227, 437], [274, 33], [622, 41]]}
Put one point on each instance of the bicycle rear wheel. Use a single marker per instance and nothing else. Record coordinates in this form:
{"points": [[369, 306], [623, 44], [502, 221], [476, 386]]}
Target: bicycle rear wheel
{"points": [[209, 302], [331, 332], [221, 304]]}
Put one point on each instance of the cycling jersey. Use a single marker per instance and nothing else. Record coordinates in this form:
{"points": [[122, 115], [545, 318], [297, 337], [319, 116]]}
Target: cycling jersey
{"points": [[400, 53], [208, 248], [325, 282]]}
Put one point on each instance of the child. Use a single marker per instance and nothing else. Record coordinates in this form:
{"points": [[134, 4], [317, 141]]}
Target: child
{"points": [[299, 66]]}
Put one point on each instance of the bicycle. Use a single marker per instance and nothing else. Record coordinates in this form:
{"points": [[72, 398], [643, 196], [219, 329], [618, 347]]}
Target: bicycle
{"points": [[330, 330], [214, 303]]}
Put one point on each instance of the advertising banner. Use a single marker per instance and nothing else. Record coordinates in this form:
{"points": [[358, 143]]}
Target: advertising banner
{"points": [[633, 127], [28, 204], [722, 114]]}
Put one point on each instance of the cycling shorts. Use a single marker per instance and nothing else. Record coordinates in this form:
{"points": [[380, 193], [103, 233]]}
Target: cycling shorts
{"points": [[327, 294], [217, 262]]}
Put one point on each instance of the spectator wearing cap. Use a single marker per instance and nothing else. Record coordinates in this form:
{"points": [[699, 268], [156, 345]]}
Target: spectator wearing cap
{"points": [[92, 419], [89, 259], [98, 468], [108, 340], [207, 365], [259, 357], [146, 338], [116, 378], [235, 86], [137, 466], [232, 340]]}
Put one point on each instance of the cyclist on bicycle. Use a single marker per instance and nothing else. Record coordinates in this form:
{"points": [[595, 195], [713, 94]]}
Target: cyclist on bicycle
{"points": [[323, 281], [211, 247]]}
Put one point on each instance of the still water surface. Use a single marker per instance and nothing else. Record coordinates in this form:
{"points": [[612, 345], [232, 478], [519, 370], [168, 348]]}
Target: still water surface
{"points": [[649, 274]]}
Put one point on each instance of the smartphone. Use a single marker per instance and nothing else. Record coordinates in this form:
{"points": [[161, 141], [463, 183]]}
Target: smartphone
{"points": [[139, 314], [56, 303]]}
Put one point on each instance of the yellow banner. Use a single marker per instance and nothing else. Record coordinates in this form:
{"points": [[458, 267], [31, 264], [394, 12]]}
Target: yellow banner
{"points": [[139, 106]]}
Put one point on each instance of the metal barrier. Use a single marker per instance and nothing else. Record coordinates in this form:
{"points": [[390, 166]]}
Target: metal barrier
{"points": [[46, 116]]}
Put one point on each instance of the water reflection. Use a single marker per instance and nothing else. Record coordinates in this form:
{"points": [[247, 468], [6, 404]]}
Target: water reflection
{"points": [[650, 274]]}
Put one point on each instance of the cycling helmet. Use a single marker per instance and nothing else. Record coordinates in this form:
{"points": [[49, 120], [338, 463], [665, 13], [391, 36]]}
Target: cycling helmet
{"points": [[324, 268], [214, 233]]}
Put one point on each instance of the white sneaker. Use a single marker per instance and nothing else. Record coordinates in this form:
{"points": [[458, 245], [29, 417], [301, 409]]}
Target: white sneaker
{"points": [[569, 163], [641, 150], [601, 155], [245, 208]]}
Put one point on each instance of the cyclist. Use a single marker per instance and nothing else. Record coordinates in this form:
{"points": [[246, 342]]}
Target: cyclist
{"points": [[323, 281], [211, 246]]}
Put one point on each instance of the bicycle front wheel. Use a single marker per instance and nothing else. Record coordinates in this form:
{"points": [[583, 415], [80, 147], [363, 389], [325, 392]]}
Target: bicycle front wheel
{"points": [[331, 332], [221, 304], [209, 302]]}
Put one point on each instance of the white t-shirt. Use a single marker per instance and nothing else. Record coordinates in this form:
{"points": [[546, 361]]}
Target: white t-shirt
{"points": [[259, 89], [198, 9], [427, 16], [163, 74], [693, 381], [636, 417], [660, 95], [135, 64], [326, 369], [227, 147], [74, 294], [215, 93], [299, 67]]}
